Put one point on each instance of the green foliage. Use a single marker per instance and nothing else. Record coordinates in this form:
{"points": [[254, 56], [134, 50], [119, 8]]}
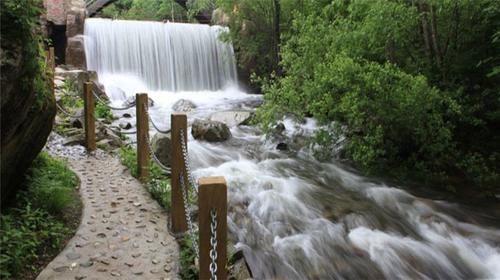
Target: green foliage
{"points": [[34, 226], [20, 30], [188, 269], [155, 10], [50, 185], [24, 231], [128, 157], [407, 106], [103, 112]]}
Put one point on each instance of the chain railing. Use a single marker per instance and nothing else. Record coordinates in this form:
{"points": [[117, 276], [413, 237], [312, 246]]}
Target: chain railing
{"points": [[211, 192], [104, 102], [68, 114], [213, 244], [188, 214], [156, 127], [212, 206]]}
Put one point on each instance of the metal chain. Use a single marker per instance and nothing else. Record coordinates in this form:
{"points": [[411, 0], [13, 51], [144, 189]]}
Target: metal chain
{"points": [[67, 113], [187, 212], [155, 158], [187, 166], [111, 107], [213, 244], [156, 127]]}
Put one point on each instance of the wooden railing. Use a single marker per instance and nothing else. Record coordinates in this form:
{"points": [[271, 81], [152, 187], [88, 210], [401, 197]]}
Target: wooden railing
{"points": [[212, 191]]}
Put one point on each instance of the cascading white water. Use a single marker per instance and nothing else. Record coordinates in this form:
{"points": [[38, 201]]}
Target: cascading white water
{"points": [[293, 216], [164, 56]]}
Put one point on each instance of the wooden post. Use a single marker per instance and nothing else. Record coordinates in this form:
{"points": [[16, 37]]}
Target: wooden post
{"points": [[178, 123], [89, 111], [51, 65], [141, 102], [212, 194]]}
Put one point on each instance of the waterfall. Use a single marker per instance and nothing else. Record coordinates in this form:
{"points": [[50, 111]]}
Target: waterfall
{"points": [[164, 56]]}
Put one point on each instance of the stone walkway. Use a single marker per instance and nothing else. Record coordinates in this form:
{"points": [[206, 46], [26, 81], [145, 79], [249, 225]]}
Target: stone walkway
{"points": [[123, 233]]}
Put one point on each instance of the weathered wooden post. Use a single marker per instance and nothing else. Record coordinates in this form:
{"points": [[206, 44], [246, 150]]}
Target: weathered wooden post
{"points": [[89, 112], [51, 65], [178, 132], [141, 102], [212, 195]]}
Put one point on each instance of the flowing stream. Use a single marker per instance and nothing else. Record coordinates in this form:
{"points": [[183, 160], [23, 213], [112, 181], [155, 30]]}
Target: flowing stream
{"points": [[294, 216]]}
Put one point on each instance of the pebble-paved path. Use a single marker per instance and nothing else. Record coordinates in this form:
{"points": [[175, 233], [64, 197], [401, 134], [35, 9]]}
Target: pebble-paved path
{"points": [[123, 233]]}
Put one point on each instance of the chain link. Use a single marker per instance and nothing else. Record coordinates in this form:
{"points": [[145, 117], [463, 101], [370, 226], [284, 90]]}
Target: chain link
{"points": [[157, 160], [213, 244], [187, 212], [68, 113], [157, 128], [187, 166], [100, 100]]}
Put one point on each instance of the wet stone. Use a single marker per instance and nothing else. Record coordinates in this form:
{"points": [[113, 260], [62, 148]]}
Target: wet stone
{"points": [[61, 268], [101, 235], [73, 256], [154, 271], [80, 277], [155, 261], [138, 272], [129, 264], [167, 268], [136, 255], [87, 263]]}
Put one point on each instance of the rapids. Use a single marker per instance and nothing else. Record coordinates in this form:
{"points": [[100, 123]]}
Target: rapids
{"points": [[294, 217]]}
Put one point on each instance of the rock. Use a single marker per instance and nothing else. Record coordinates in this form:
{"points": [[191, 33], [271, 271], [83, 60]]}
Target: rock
{"points": [[77, 77], [279, 129], [183, 105], [75, 140], [126, 125], [232, 118], [127, 115], [56, 11], [75, 21], [282, 146], [77, 122], [162, 147], [131, 100], [27, 113], [211, 131], [240, 270], [75, 52]]}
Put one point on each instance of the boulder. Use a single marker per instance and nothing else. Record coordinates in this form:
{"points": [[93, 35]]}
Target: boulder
{"points": [[161, 144], [76, 77], [232, 118], [75, 21], [183, 105], [75, 52], [131, 100], [125, 125], [211, 131], [28, 108], [56, 11]]}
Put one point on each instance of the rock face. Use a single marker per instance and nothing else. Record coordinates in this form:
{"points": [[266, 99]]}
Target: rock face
{"points": [[27, 108], [232, 118], [211, 131], [162, 146], [183, 105], [75, 52]]}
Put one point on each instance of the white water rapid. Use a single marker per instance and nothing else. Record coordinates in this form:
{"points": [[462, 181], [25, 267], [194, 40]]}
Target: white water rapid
{"points": [[294, 217]]}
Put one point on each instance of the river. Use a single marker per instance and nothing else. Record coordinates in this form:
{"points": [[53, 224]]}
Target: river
{"points": [[293, 216]]}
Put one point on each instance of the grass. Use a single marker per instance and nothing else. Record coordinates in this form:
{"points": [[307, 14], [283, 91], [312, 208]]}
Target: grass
{"points": [[33, 231]]}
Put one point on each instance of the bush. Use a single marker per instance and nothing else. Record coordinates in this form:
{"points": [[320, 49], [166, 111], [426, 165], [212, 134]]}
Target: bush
{"points": [[34, 226], [50, 185], [24, 231]]}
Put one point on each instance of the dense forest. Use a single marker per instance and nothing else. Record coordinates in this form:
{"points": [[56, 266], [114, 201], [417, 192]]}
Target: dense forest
{"points": [[413, 86]]}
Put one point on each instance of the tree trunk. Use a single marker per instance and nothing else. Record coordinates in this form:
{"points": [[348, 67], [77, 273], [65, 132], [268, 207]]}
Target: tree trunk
{"points": [[434, 34], [423, 9]]}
